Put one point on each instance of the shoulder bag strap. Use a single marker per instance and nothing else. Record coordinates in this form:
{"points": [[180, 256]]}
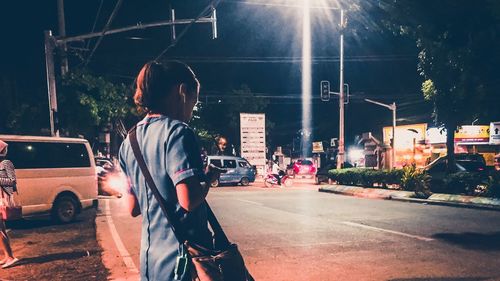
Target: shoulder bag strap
{"points": [[220, 236]]}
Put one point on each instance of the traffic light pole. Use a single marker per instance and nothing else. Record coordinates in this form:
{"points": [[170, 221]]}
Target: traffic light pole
{"points": [[341, 153]]}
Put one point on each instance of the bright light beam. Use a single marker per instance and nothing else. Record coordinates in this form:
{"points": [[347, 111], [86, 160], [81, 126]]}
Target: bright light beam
{"points": [[306, 77]]}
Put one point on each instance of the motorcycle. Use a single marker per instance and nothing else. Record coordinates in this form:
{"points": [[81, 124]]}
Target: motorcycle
{"points": [[281, 179]]}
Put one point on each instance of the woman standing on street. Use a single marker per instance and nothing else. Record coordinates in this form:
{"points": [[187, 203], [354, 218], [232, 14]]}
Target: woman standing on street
{"points": [[167, 93], [7, 187]]}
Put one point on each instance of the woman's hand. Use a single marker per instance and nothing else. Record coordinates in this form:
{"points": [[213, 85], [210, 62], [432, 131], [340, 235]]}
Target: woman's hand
{"points": [[213, 173]]}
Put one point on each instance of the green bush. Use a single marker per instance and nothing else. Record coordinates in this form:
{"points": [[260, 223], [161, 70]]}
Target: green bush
{"points": [[493, 185], [413, 179], [462, 182], [365, 177]]}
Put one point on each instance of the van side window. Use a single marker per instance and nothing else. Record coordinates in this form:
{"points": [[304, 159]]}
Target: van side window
{"points": [[216, 162], [231, 164], [40, 155], [242, 164]]}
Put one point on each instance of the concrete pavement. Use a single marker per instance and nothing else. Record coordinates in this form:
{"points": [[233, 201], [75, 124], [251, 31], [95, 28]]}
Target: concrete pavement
{"points": [[300, 234], [409, 196]]}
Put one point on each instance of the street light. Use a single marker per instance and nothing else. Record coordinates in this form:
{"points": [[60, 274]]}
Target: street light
{"points": [[414, 141], [392, 107]]}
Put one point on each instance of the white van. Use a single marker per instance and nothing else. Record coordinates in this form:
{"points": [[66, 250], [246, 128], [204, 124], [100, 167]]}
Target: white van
{"points": [[54, 175]]}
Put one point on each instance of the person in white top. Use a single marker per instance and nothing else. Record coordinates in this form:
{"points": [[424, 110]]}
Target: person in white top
{"points": [[275, 170]]}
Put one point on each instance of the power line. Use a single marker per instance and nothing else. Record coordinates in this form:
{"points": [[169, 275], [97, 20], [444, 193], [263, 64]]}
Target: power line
{"points": [[212, 5], [95, 22], [333, 59], [106, 27]]}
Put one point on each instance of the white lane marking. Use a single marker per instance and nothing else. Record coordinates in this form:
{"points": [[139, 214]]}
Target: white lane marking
{"points": [[118, 242], [251, 202], [388, 231]]}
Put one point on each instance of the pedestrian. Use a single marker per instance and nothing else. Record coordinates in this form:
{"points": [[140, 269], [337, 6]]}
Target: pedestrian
{"points": [[7, 188], [167, 94], [221, 146]]}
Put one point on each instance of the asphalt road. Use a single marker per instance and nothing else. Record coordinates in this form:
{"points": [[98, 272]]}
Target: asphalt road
{"points": [[302, 234]]}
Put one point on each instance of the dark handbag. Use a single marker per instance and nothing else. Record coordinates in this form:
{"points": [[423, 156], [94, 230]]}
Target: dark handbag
{"points": [[224, 263]]}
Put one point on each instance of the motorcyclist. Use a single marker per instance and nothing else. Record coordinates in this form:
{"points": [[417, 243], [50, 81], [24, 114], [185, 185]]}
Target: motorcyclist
{"points": [[275, 171]]}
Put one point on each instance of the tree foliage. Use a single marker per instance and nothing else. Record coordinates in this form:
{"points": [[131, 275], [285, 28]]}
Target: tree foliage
{"points": [[457, 42], [87, 102], [222, 117]]}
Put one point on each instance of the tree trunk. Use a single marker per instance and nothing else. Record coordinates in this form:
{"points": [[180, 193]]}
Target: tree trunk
{"points": [[450, 147]]}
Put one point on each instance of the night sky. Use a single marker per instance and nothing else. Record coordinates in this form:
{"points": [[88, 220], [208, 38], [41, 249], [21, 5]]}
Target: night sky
{"points": [[258, 45]]}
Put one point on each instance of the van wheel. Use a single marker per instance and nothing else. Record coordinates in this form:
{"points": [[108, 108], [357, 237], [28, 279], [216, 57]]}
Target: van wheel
{"points": [[245, 181], [214, 183], [65, 209]]}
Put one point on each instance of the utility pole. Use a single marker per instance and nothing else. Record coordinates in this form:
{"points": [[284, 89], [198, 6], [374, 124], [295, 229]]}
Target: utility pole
{"points": [[393, 146], [341, 153], [51, 43], [62, 34]]}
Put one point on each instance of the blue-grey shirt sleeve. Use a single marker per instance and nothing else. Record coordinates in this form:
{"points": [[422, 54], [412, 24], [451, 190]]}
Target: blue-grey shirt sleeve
{"points": [[183, 158], [123, 167]]}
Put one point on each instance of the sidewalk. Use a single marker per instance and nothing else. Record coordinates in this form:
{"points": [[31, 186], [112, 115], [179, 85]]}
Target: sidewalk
{"points": [[55, 252], [408, 196]]}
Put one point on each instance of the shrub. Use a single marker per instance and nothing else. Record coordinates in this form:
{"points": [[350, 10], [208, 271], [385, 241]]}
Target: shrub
{"points": [[413, 179], [493, 185], [462, 182], [365, 177]]}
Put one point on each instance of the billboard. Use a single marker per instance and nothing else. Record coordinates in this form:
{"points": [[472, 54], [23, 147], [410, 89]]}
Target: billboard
{"points": [[253, 139], [436, 135], [318, 147], [472, 134], [495, 133]]}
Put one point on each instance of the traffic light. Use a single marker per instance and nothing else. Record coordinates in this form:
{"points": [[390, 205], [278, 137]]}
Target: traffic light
{"points": [[325, 90], [346, 93]]}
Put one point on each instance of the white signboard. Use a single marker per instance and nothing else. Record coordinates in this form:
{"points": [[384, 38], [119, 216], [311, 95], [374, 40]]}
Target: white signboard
{"points": [[253, 139], [495, 133], [436, 135]]}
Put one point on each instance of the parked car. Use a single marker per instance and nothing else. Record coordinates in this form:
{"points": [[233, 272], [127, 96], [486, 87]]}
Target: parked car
{"points": [[322, 173], [237, 170], [54, 175], [304, 167], [464, 162]]}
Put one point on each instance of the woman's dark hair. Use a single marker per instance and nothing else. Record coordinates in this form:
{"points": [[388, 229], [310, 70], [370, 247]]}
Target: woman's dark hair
{"points": [[155, 81]]}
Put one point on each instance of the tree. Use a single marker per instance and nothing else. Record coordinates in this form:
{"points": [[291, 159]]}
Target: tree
{"points": [[223, 116], [457, 43], [88, 102]]}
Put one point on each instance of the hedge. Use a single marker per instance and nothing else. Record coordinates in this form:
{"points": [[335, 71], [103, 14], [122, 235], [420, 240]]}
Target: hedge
{"points": [[412, 179], [366, 177]]}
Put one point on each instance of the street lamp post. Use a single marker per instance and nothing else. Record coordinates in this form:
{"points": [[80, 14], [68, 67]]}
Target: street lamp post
{"points": [[392, 107]]}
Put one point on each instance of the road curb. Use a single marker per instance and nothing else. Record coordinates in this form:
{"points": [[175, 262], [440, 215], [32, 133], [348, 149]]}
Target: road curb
{"points": [[460, 201], [448, 203]]}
